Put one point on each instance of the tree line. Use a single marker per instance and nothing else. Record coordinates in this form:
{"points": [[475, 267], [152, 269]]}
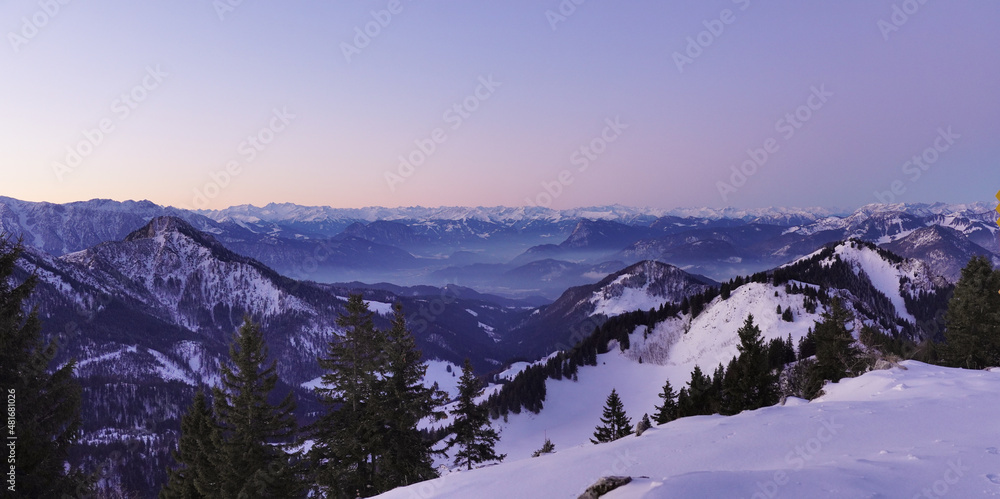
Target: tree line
{"points": [[241, 444], [766, 372]]}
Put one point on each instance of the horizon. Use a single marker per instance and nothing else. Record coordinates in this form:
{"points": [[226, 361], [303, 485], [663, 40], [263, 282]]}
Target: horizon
{"points": [[833, 210], [552, 104]]}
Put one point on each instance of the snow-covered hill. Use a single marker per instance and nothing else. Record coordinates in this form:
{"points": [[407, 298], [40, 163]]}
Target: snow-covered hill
{"points": [[913, 431], [877, 285], [643, 285], [670, 350]]}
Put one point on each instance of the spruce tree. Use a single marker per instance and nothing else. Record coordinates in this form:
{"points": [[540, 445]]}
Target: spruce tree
{"points": [[699, 394], [406, 454], [47, 417], [344, 436], [972, 327], [614, 423], [836, 355], [472, 431], [684, 407], [253, 459], [751, 384], [197, 454], [547, 448], [667, 411]]}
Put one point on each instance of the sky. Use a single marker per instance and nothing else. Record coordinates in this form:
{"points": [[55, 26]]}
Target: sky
{"points": [[556, 103]]}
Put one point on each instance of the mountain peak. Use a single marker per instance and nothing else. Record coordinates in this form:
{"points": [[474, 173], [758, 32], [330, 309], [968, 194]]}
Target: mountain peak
{"points": [[169, 224]]}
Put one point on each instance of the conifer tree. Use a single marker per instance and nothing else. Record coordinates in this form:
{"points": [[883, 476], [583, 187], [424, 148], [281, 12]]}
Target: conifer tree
{"points": [[972, 327], [751, 382], [47, 418], [614, 423], [699, 396], [473, 433], [667, 411], [547, 448], [836, 355], [197, 454], [253, 459], [344, 436], [684, 407], [406, 455]]}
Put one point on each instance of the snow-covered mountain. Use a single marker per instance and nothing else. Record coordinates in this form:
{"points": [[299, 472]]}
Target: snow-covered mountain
{"points": [[942, 248], [882, 290], [574, 315], [482, 246], [148, 318], [911, 431]]}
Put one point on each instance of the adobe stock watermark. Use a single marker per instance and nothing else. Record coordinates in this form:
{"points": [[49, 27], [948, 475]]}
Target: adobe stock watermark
{"points": [[121, 109], [582, 159], [942, 486], [47, 11], [225, 7], [916, 166], [797, 458], [900, 15], [363, 35], [455, 116], [247, 150], [563, 11], [714, 28], [786, 127]]}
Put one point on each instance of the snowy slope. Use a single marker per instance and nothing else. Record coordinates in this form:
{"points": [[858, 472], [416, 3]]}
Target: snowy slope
{"points": [[890, 278], [572, 409], [922, 431]]}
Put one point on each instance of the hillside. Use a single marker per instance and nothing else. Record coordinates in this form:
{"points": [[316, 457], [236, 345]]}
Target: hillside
{"points": [[913, 431], [877, 286]]}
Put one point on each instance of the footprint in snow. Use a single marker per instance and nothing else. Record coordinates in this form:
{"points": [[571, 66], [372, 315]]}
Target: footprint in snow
{"points": [[993, 477], [992, 450]]}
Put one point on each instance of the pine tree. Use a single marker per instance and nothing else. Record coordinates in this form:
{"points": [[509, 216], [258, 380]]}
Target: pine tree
{"points": [[253, 460], [667, 411], [473, 433], [972, 327], [406, 455], [751, 383], [614, 423], [47, 420], [787, 315], [699, 394], [344, 436], [684, 407], [197, 476], [836, 355], [547, 448]]}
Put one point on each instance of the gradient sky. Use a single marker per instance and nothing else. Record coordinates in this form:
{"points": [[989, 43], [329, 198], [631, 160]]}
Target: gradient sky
{"points": [[604, 60]]}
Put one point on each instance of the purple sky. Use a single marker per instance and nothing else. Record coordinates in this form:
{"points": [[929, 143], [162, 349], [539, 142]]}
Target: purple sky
{"points": [[533, 86]]}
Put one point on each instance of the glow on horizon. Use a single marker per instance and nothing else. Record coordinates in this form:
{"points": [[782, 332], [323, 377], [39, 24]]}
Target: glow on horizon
{"points": [[339, 127]]}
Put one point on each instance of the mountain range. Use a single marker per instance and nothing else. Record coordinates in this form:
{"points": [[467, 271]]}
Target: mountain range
{"points": [[146, 297]]}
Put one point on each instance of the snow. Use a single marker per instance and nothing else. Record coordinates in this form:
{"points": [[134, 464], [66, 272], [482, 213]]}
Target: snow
{"points": [[514, 369], [863, 439], [170, 370], [381, 308], [884, 275], [631, 299], [437, 371], [571, 409], [490, 331]]}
